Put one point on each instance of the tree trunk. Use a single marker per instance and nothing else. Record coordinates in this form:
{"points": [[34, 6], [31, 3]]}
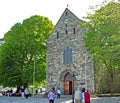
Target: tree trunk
{"points": [[111, 81]]}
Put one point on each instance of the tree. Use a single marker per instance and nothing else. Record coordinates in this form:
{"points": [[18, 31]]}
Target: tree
{"points": [[102, 39], [25, 44]]}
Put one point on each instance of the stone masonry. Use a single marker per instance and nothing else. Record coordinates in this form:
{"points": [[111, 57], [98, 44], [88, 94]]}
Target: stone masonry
{"points": [[67, 34]]}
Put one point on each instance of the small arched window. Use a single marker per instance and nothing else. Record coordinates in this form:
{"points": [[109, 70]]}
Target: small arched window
{"points": [[57, 35], [73, 30]]}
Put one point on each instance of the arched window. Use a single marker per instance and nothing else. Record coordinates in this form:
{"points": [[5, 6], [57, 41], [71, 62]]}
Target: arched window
{"points": [[73, 30], [57, 35], [67, 55]]}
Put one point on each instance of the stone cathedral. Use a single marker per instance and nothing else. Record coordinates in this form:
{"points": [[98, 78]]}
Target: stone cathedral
{"points": [[69, 65]]}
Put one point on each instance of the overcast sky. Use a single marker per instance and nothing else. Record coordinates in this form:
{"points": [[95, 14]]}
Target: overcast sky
{"points": [[14, 11]]}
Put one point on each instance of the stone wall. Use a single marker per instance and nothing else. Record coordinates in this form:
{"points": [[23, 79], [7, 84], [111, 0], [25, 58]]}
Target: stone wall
{"points": [[67, 34]]}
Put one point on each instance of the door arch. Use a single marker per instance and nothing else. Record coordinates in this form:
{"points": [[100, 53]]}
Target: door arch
{"points": [[68, 83]]}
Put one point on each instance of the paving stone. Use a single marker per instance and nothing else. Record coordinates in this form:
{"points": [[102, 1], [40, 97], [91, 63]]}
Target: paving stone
{"points": [[4, 99]]}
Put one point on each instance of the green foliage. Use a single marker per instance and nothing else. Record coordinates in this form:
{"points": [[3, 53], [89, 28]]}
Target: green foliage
{"points": [[25, 44], [103, 38]]}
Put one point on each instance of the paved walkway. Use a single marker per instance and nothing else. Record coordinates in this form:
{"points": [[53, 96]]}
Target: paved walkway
{"points": [[62, 100]]}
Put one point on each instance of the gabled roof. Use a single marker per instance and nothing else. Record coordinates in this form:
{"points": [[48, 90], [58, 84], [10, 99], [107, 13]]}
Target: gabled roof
{"points": [[63, 16], [67, 10]]}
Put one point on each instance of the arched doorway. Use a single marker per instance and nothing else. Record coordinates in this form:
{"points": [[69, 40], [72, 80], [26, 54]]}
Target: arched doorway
{"points": [[68, 83]]}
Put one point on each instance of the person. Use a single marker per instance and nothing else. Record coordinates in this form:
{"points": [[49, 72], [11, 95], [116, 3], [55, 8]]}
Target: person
{"points": [[77, 93], [53, 88], [81, 95], [83, 91], [36, 91], [46, 94], [8, 92], [18, 92], [22, 91], [58, 93], [82, 98], [11, 92], [87, 96], [26, 92], [51, 96]]}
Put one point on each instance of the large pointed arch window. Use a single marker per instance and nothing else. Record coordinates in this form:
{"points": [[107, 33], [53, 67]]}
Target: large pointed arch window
{"points": [[67, 55]]}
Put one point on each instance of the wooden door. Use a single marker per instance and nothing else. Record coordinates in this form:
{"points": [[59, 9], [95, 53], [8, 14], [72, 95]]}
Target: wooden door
{"points": [[67, 84], [66, 87]]}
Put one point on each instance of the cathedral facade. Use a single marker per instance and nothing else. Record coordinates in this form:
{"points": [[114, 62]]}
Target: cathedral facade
{"points": [[69, 65]]}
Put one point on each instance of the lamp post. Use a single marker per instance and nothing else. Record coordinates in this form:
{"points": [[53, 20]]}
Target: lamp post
{"points": [[73, 76], [34, 79], [85, 72]]}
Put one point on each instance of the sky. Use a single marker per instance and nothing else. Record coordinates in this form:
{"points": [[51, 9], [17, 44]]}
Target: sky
{"points": [[15, 11]]}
